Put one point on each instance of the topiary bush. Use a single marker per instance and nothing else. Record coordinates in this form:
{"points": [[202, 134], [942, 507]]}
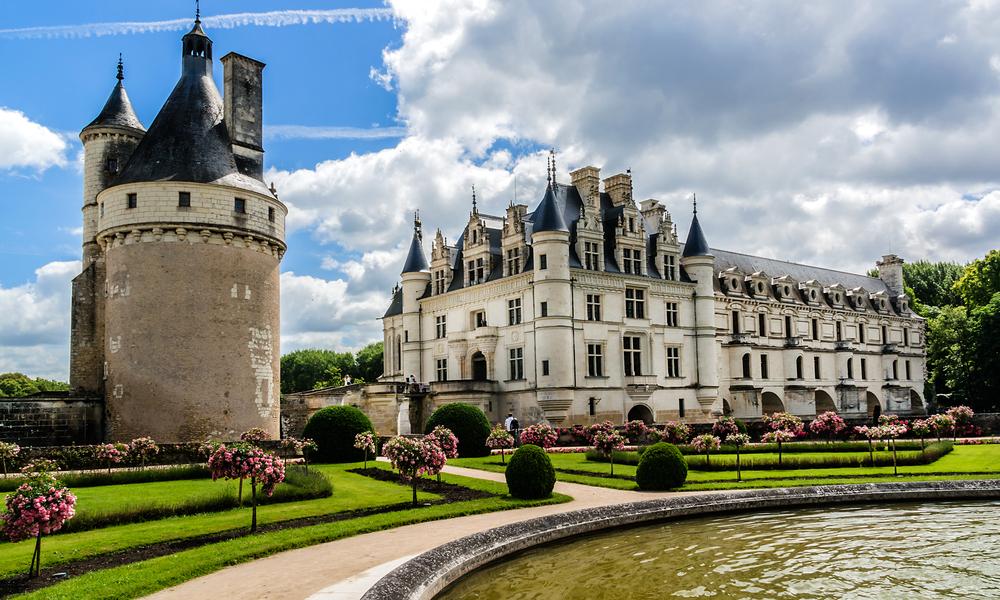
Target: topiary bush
{"points": [[661, 467], [334, 428], [530, 474], [469, 425]]}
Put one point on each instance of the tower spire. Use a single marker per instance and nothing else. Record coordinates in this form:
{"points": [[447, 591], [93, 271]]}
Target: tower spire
{"points": [[694, 201], [121, 68], [475, 207], [197, 11], [417, 228], [552, 153]]}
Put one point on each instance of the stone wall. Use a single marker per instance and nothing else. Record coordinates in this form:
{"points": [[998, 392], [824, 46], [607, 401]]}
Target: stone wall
{"points": [[51, 419]]}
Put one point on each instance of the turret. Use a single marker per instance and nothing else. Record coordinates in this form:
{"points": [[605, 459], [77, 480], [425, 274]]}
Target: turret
{"points": [[890, 270], [416, 278], [698, 262]]}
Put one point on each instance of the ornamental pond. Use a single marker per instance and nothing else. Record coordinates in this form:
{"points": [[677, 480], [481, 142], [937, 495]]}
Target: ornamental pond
{"points": [[918, 550]]}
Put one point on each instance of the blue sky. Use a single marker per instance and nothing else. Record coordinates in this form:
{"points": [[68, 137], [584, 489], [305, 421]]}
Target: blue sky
{"points": [[828, 133]]}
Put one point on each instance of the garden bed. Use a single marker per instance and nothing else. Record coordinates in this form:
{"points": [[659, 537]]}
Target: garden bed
{"points": [[449, 491]]}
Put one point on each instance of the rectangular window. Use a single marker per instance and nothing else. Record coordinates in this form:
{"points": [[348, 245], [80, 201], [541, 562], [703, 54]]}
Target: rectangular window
{"points": [[763, 366], [635, 303], [673, 361], [111, 165], [270, 214], [672, 314], [543, 262], [442, 369], [736, 322], [439, 282], [895, 369], [762, 325], [593, 307], [789, 330], [472, 272], [906, 338], [514, 311], [670, 267], [815, 329], [480, 270], [184, 199], [861, 332], [480, 318], [850, 368], [592, 406], [133, 200], [516, 363], [406, 335], [513, 261], [632, 350], [840, 331], [102, 209], [591, 256], [885, 334], [545, 309], [595, 360], [240, 205], [441, 326], [632, 261], [680, 408], [907, 366], [545, 367], [816, 366], [864, 369]]}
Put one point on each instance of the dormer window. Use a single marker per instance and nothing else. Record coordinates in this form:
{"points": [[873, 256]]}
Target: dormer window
{"points": [[632, 261], [591, 256], [670, 267]]}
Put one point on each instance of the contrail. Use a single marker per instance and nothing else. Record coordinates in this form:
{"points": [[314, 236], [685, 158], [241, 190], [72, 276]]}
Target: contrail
{"points": [[277, 18], [307, 132]]}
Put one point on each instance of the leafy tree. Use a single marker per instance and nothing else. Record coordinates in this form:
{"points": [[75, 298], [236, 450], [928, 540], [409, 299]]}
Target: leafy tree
{"points": [[950, 351], [369, 361], [931, 283], [15, 385], [980, 280], [985, 376], [302, 369]]}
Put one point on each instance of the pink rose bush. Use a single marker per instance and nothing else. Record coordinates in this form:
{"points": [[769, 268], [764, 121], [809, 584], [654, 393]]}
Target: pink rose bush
{"points": [[607, 443], [245, 461], [445, 439], [111, 454], [738, 441], [413, 458], [254, 435], [783, 421], [779, 437], [706, 443], [365, 441], [922, 428], [142, 449], [675, 432], [8, 451], [943, 424], [828, 425], [725, 427], [500, 439], [606, 426], [40, 506], [636, 430], [541, 435], [962, 415]]}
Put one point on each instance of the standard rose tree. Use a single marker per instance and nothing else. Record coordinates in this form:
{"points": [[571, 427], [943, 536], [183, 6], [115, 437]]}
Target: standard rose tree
{"points": [[738, 441], [500, 439], [365, 441], [779, 437], [142, 449], [255, 435], [828, 425], [413, 458], [725, 427], [111, 454], [636, 430], [541, 435], [706, 443], [607, 443], [246, 461], [8, 451], [446, 440], [38, 507]]}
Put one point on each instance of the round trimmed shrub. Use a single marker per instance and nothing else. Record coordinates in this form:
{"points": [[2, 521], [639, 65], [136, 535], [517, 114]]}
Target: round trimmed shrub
{"points": [[469, 425], [530, 474], [661, 467], [333, 428]]}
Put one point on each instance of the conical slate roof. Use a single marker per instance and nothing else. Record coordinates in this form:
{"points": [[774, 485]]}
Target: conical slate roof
{"points": [[415, 259], [696, 245], [548, 217], [117, 111]]}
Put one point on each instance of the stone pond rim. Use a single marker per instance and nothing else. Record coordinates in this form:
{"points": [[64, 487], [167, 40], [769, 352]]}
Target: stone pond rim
{"points": [[428, 574]]}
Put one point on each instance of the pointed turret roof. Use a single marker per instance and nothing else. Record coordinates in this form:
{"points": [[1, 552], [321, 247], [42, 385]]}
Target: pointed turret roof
{"points": [[117, 111], [548, 216], [415, 259], [696, 245]]}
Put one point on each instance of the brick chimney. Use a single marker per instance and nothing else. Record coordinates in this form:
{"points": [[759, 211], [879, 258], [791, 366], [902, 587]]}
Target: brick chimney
{"points": [[587, 181], [619, 187], [244, 114]]}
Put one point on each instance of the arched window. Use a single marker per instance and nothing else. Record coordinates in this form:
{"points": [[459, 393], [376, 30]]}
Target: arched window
{"points": [[399, 353], [850, 368], [798, 367], [746, 365]]}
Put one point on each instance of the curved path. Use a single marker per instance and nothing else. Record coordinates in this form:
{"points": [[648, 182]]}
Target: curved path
{"points": [[344, 569]]}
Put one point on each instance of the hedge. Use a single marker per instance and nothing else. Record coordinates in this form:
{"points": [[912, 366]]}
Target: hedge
{"points": [[530, 474], [661, 468], [333, 428], [469, 425]]}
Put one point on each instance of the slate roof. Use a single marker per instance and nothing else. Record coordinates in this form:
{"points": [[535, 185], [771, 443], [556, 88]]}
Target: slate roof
{"points": [[548, 216], [696, 245], [117, 111], [415, 259]]}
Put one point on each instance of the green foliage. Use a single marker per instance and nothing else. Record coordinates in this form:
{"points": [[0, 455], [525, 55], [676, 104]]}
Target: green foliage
{"points": [[16, 385], [980, 280], [932, 283], [333, 428], [310, 369], [469, 425], [99, 478], [661, 468], [820, 460], [530, 474], [369, 361]]}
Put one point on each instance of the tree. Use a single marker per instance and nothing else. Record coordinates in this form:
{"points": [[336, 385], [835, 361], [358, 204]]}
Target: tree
{"points": [[243, 460], [39, 506], [950, 351], [500, 439], [932, 283], [301, 370], [980, 280], [16, 385], [984, 380], [413, 458], [369, 361], [607, 443], [706, 443], [738, 441]]}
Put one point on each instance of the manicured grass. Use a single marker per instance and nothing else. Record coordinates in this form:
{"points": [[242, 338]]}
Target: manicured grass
{"points": [[964, 462], [141, 578]]}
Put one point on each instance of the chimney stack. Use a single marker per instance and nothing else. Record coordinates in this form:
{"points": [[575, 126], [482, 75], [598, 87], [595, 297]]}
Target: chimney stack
{"points": [[244, 111], [619, 187]]}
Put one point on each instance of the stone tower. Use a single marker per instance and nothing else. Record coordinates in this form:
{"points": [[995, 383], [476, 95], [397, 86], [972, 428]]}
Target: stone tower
{"points": [[699, 263], [416, 278], [183, 240]]}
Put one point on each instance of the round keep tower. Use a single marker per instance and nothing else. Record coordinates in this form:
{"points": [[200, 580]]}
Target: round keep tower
{"points": [[192, 239]]}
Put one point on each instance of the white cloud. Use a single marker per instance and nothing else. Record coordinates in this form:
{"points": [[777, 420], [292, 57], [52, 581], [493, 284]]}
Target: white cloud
{"points": [[317, 312], [277, 18], [35, 320], [26, 144]]}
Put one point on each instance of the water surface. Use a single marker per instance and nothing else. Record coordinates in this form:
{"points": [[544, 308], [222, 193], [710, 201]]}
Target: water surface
{"points": [[910, 551]]}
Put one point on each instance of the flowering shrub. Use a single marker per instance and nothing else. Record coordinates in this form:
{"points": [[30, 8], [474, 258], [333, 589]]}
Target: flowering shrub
{"points": [[738, 440], [636, 429], [594, 429], [962, 415], [890, 419], [500, 439], [8, 452], [828, 425], [922, 428], [112, 454], [607, 443], [38, 507], [245, 461], [783, 421], [413, 458], [706, 443], [675, 432], [891, 431], [725, 427], [142, 449], [540, 435], [580, 434], [39, 465], [871, 434], [365, 441], [943, 423], [445, 439], [254, 435], [779, 437]]}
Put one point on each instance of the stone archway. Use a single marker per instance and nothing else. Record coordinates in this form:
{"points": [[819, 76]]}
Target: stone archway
{"points": [[726, 408], [874, 406], [824, 403], [479, 371], [916, 402], [641, 412], [770, 403]]}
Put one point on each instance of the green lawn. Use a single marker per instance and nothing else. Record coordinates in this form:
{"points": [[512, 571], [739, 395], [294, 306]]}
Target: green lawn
{"points": [[351, 492], [964, 462]]}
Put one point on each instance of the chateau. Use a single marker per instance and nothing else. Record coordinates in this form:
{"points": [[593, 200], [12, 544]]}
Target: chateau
{"points": [[589, 308], [175, 314]]}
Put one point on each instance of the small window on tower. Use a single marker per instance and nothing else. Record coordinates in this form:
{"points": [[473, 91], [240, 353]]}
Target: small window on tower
{"points": [[270, 214], [240, 205], [133, 200], [184, 199], [112, 165]]}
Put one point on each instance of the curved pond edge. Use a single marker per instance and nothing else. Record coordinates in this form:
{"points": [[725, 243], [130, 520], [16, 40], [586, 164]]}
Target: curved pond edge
{"points": [[426, 575]]}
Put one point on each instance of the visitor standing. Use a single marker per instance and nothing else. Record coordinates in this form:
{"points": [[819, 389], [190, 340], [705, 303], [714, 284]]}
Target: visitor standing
{"points": [[514, 427], [506, 422]]}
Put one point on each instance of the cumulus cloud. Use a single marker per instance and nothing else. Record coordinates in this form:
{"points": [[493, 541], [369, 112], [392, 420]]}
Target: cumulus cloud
{"points": [[317, 312], [34, 322], [27, 144]]}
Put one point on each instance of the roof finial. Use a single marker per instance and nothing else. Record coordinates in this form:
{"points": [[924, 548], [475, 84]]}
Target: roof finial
{"points": [[552, 153], [475, 208], [417, 229], [197, 11], [694, 200], [121, 68]]}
